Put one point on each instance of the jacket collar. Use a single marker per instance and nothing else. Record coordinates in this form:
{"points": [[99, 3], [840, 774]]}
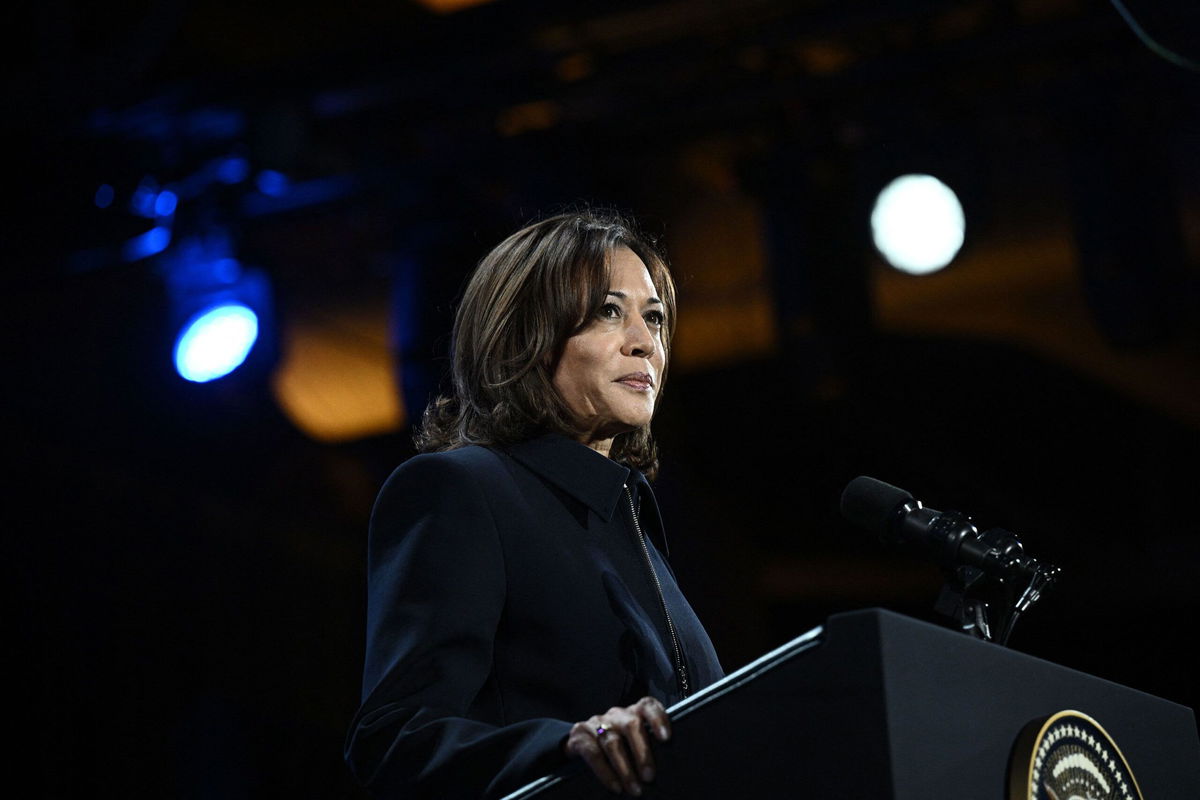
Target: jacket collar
{"points": [[591, 478]]}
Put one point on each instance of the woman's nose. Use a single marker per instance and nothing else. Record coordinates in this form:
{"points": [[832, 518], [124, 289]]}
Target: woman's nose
{"points": [[639, 339]]}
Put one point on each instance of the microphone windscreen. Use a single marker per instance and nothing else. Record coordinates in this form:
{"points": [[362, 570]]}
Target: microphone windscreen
{"points": [[870, 503]]}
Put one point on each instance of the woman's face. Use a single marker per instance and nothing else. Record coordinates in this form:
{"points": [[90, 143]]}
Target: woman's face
{"points": [[609, 372]]}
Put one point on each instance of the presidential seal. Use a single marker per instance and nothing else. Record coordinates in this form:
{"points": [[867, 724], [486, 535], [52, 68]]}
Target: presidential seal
{"points": [[1068, 756]]}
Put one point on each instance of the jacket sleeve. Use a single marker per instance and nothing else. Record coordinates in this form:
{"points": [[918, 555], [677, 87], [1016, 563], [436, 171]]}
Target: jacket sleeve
{"points": [[435, 591]]}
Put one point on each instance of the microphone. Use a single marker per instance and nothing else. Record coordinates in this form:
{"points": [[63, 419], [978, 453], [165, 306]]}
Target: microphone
{"points": [[947, 536]]}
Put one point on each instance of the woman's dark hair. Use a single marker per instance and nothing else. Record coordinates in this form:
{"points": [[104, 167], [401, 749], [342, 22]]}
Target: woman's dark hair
{"points": [[530, 294]]}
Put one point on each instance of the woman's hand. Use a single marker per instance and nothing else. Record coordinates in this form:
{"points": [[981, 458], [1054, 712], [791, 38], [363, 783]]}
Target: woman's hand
{"points": [[616, 744]]}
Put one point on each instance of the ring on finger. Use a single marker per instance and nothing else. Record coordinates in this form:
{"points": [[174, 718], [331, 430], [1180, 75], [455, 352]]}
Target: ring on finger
{"points": [[600, 731]]}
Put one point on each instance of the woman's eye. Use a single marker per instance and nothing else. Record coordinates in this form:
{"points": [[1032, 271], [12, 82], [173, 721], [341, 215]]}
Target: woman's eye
{"points": [[610, 311], [656, 318]]}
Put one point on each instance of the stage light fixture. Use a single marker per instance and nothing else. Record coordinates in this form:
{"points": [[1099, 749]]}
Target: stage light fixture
{"points": [[166, 203], [215, 342], [147, 244], [144, 199], [221, 311], [918, 224]]}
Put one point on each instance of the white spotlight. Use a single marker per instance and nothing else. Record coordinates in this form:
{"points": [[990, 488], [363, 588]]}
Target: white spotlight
{"points": [[918, 224]]}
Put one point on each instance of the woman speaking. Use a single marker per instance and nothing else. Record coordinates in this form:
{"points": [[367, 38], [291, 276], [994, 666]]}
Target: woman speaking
{"points": [[521, 612]]}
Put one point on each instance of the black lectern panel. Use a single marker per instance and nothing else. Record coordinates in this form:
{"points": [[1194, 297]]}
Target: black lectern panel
{"points": [[876, 705]]}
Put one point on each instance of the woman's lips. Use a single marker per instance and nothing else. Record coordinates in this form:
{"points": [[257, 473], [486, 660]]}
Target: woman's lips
{"points": [[638, 381]]}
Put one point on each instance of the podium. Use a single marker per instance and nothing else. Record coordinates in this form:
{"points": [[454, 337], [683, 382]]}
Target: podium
{"points": [[877, 705]]}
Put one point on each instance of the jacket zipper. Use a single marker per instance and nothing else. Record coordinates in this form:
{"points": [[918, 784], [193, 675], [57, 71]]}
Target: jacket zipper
{"points": [[681, 672]]}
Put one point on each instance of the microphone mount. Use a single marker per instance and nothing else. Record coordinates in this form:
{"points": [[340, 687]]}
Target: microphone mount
{"points": [[988, 575], [1002, 589]]}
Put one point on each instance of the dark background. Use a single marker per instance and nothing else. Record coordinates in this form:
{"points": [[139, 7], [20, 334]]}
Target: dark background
{"points": [[189, 557]]}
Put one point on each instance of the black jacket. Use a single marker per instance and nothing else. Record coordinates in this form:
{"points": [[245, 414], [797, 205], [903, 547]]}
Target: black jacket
{"points": [[509, 597]]}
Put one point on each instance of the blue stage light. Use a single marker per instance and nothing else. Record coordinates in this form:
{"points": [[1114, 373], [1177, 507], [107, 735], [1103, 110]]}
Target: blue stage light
{"points": [[226, 270], [233, 169], [104, 196], [144, 245], [272, 183], [215, 342], [299, 194], [166, 203], [143, 200]]}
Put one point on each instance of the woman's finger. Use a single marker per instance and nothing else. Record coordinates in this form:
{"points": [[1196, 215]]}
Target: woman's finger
{"points": [[655, 716], [616, 725], [617, 745], [633, 727], [582, 742]]}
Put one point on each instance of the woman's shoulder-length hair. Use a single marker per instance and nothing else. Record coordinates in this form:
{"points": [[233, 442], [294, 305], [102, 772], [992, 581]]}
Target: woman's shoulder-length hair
{"points": [[530, 294]]}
